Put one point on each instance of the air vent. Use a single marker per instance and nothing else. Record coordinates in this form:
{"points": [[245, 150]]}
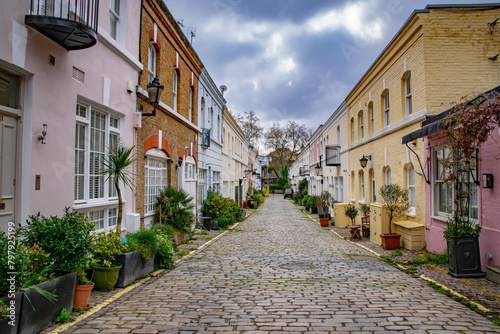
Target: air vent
{"points": [[52, 60], [78, 75]]}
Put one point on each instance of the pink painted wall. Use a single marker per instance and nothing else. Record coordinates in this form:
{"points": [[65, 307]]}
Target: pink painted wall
{"points": [[55, 95], [489, 202]]}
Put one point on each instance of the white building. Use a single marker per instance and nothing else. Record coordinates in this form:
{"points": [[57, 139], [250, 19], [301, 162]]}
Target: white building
{"points": [[211, 106]]}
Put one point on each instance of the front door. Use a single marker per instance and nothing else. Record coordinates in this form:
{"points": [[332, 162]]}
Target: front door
{"points": [[8, 147]]}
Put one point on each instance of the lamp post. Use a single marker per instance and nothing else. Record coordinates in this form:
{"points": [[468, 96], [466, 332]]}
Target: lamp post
{"points": [[155, 89]]}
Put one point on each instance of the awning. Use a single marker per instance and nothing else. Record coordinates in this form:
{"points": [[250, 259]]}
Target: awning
{"points": [[434, 123], [424, 131]]}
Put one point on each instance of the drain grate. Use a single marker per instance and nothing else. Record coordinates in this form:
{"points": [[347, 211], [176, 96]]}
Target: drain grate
{"points": [[297, 266]]}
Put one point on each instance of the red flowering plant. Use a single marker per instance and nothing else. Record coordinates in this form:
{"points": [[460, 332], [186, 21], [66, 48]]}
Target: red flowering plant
{"points": [[467, 126], [4, 311]]}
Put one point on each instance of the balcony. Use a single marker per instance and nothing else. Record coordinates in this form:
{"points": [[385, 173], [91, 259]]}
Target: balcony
{"points": [[205, 138], [332, 155], [70, 23]]}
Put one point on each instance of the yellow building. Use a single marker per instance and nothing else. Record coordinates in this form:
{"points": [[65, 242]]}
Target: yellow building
{"points": [[440, 54]]}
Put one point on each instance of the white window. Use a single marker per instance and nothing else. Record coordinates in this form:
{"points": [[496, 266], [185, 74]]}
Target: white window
{"points": [[95, 133], [386, 110], [362, 176], [189, 172], [191, 105], [411, 188], [443, 191], [216, 182], [409, 106], [151, 63], [361, 126], [352, 130], [372, 120], [155, 180], [114, 18], [388, 176], [211, 122], [104, 219], [174, 90]]}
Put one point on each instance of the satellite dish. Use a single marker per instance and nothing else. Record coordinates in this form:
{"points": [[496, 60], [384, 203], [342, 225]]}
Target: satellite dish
{"points": [[223, 88]]}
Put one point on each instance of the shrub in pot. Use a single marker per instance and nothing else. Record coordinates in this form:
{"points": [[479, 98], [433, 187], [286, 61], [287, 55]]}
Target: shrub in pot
{"points": [[106, 270], [395, 199]]}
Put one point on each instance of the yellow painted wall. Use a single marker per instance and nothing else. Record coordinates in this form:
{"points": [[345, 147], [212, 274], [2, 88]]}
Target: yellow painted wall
{"points": [[446, 52]]}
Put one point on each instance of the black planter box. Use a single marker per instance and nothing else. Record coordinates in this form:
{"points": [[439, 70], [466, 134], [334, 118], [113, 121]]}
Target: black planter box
{"points": [[9, 325], [464, 257], [133, 267], [207, 223], [45, 312]]}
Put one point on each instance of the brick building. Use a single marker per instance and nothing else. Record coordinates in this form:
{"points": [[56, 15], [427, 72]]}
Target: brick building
{"points": [[167, 142]]}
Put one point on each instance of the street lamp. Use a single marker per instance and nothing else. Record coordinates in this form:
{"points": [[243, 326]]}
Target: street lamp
{"points": [[364, 160], [155, 89]]}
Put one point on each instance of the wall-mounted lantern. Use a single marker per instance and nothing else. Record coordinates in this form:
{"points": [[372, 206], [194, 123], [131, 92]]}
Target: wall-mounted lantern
{"points": [[364, 160], [155, 89]]}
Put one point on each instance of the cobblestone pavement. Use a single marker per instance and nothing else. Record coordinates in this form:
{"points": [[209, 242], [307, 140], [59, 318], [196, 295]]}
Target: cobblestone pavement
{"points": [[279, 272]]}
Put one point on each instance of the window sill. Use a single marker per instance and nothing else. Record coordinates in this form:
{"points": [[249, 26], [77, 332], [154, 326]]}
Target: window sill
{"points": [[91, 205], [440, 218]]}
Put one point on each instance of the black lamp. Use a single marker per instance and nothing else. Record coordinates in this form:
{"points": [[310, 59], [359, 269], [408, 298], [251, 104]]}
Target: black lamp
{"points": [[179, 163], [155, 89], [318, 168], [364, 160]]}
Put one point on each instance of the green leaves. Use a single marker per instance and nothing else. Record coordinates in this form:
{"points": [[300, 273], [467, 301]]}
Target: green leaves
{"points": [[396, 200], [176, 208]]}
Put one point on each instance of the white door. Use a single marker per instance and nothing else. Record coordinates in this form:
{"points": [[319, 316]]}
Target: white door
{"points": [[8, 135]]}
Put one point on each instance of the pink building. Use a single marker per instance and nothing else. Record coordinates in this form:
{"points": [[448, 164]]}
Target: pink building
{"points": [[484, 198], [68, 71]]}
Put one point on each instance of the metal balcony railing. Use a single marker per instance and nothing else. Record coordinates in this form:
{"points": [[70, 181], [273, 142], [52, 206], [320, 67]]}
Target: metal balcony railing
{"points": [[205, 138], [70, 23]]}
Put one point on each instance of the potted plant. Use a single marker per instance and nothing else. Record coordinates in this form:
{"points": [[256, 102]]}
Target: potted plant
{"points": [[296, 197], [106, 269], [323, 203], [352, 212], [396, 201], [467, 128], [83, 287], [365, 220], [68, 240], [142, 247]]}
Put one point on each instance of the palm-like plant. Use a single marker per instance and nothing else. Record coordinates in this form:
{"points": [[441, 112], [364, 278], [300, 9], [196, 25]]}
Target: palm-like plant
{"points": [[175, 207], [116, 168]]}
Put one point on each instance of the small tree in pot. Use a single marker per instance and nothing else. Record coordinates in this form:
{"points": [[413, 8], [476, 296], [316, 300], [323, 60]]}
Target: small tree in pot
{"points": [[323, 202], [351, 212], [396, 200]]}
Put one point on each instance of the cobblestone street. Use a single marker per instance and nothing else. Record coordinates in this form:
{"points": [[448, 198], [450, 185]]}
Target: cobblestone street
{"points": [[280, 272]]}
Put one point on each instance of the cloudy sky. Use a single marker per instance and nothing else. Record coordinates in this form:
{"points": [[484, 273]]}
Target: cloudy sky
{"points": [[291, 59]]}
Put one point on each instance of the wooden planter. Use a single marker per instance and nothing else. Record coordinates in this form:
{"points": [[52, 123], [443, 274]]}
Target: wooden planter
{"points": [[133, 268], [45, 312], [391, 241]]}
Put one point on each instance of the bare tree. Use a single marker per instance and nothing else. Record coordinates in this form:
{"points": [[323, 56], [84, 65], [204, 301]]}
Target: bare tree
{"points": [[286, 141], [250, 125]]}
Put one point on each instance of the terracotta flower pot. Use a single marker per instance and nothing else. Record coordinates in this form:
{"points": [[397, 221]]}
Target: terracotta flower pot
{"points": [[82, 296], [324, 222], [390, 241]]}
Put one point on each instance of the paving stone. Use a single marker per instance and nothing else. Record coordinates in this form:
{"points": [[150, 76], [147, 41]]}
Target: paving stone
{"points": [[280, 272]]}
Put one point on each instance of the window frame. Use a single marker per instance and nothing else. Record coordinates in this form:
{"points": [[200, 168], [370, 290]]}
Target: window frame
{"points": [[408, 97], [84, 112], [387, 110], [372, 119], [160, 173], [116, 16], [411, 186], [361, 125], [388, 176], [175, 89], [151, 62]]}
